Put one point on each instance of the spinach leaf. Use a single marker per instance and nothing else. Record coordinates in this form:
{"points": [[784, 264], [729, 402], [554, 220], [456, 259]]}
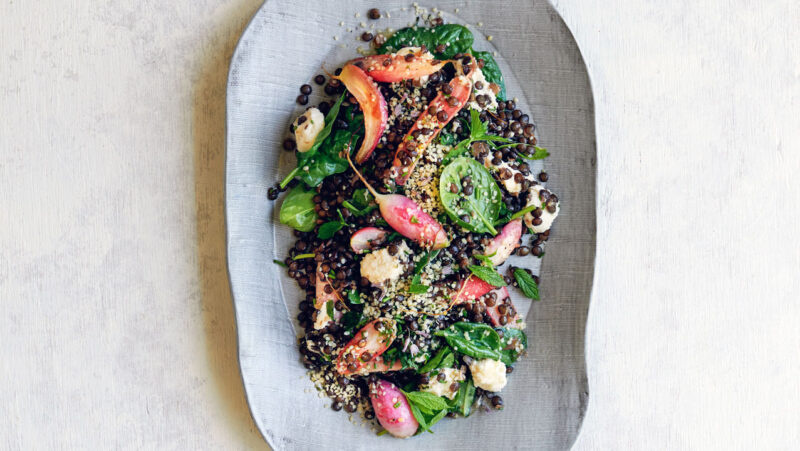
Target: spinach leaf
{"points": [[297, 210], [475, 340], [482, 207], [350, 321], [323, 159], [362, 198], [526, 283], [436, 361], [456, 38], [512, 339], [327, 230], [464, 399], [478, 131], [354, 298], [491, 71], [488, 275]]}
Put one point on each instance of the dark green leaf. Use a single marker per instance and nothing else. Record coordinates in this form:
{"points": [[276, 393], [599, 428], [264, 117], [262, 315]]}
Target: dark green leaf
{"points": [[512, 338], [488, 275], [329, 309], [475, 340], [427, 402], [362, 198], [297, 210], [354, 298], [350, 320], [539, 153], [416, 288], [482, 206], [327, 230], [433, 363], [423, 424], [423, 262], [491, 71], [448, 361], [441, 414], [526, 283], [457, 39]]}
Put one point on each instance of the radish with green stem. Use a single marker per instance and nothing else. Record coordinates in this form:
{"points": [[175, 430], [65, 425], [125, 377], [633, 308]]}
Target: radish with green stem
{"points": [[405, 216]]}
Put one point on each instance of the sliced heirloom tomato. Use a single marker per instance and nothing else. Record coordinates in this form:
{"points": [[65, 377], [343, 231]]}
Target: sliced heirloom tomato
{"points": [[502, 307], [372, 103], [367, 344], [501, 246], [428, 125], [322, 298], [399, 66]]}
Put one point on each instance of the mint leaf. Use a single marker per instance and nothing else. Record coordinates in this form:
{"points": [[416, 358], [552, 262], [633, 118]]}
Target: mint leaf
{"points": [[426, 401], [526, 283], [488, 275]]}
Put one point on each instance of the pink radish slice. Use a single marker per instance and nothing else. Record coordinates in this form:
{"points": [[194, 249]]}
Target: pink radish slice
{"points": [[393, 68], [405, 216], [372, 104], [367, 344], [366, 238], [503, 297], [501, 246], [392, 409], [472, 288], [322, 298]]}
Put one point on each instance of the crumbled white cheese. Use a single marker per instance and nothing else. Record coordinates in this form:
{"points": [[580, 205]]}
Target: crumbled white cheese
{"points": [[477, 76], [546, 217], [488, 374], [445, 387], [380, 267], [307, 132]]}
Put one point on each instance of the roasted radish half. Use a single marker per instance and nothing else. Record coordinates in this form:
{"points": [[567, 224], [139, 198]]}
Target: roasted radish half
{"points": [[501, 246], [501, 311], [392, 409], [367, 238], [368, 343], [472, 288], [325, 293], [407, 64], [372, 103]]}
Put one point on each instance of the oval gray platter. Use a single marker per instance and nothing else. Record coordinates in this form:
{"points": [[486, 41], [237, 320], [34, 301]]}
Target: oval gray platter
{"points": [[284, 47]]}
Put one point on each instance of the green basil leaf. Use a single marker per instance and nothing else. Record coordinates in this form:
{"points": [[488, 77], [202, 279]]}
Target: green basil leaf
{"points": [[488, 275], [297, 210], [327, 230], [491, 71], [482, 207], [526, 283]]}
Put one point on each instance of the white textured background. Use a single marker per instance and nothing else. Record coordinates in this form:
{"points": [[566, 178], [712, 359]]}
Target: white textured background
{"points": [[117, 327]]}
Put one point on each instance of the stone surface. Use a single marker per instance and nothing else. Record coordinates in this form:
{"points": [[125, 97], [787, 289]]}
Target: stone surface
{"points": [[117, 328]]}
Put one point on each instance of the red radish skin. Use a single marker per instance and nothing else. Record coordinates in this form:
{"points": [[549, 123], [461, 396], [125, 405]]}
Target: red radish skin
{"points": [[503, 297], [501, 246], [322, 298], [367, 238], [392, 409], [405, 216], [372, 103], [393, 68], [354, 359], [409, 150], [472, 288]]}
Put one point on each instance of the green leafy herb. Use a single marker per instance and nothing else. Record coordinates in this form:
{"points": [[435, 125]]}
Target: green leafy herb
{"points": [[427, 258], [362, 198], [511, 341], [478, 131], [302, 256], [539, 153], [327, 230], [475, 340], [523, 212], [448, 361], [324, 158], [354, 298], [462, 403], [416, 288], [491, 71], [381, 432], [351, 321], [486, 259], [280, 263], [427, 402], [456, 38], [358, 212], [329, 309], [434, 362], [482, 207], [488, 275], [297, 210], [526, 283]]}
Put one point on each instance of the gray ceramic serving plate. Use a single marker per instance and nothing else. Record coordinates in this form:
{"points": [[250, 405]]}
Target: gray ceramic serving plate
{"points": [[284, 47]]}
